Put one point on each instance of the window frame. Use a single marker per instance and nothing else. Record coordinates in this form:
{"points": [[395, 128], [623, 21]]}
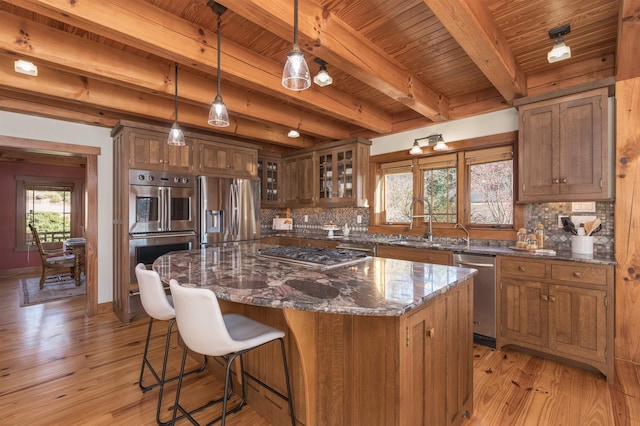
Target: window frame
{"points": [[24, 183], [459, 148]]}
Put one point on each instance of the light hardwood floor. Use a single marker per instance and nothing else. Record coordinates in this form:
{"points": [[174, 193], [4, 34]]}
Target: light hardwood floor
{"points": [[59, 367]]}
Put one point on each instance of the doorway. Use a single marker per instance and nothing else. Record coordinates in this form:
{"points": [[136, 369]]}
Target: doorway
{"points": [[90, 155]]}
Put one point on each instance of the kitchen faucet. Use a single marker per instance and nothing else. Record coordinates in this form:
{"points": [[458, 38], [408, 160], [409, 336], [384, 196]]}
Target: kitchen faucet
{"points": [[429, 233], [459, 225]]}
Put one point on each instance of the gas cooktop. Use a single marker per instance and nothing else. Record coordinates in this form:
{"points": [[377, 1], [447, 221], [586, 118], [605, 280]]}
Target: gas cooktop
{"points": [[315, 256]]}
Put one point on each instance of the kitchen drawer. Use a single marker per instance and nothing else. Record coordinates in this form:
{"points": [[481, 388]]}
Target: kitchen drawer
{"points": [[580, 273], [523, 268]]}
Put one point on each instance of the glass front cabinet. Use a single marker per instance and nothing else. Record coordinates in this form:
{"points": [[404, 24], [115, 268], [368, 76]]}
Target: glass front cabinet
{"points": [[269, 171], [342, 173]]}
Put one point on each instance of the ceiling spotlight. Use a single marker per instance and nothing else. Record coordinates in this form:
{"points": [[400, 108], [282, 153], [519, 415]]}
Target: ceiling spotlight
{"points": [[322, 78], [293, 133], [25, 67], [560, 50]]}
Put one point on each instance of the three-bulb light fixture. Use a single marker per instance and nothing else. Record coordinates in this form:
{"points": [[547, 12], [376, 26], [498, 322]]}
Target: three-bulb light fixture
{"points": [[434, 140]]}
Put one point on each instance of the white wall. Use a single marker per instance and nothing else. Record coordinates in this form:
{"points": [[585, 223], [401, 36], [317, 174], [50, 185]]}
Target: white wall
{"points": [[492, 123], [30, 127]]}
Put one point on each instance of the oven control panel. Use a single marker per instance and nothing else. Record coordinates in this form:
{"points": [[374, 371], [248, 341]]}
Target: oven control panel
{"points": [[156, 178]]}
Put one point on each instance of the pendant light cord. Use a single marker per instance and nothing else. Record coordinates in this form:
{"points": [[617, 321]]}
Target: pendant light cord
{"points": [[219, 20], [295, 25], [176, 96]]}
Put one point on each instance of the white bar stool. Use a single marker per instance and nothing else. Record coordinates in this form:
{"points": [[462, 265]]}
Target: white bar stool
{"points": [[159, 307], [205, 330]]}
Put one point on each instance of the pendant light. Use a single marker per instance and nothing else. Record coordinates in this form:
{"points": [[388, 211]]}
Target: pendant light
{"points": [[176, 137], [295, 75], [218, 115], [560, 50]]}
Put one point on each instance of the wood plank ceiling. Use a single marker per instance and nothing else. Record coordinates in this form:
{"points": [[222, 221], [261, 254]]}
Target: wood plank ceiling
{"points": [[396, 64]]}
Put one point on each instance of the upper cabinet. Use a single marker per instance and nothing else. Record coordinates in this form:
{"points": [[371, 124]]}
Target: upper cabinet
{"points": [[218, 159], [270, 175], [563, 149], [149, 150], [342, 174], [299, 183]]}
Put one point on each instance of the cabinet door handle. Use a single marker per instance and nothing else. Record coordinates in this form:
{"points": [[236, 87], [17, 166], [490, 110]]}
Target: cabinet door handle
{"points": [[556, 180], [521, 268], [431, 332], [552, 298], [544, 297], [577, 274], [563, 180]]}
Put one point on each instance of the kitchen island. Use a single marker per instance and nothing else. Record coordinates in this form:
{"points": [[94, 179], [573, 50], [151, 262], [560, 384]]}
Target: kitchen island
{"points": [[377, 342]]}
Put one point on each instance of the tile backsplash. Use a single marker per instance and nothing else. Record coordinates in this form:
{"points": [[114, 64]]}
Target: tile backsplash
{"points": [[545, 213]]}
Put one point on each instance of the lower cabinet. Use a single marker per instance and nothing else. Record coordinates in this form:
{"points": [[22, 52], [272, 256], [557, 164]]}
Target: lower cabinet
{"points": [[301, 242], [561, 308]]}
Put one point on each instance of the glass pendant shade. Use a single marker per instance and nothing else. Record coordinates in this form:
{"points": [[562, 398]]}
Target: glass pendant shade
{"points": [[218, 115], [440, 146], [296, 74], [176, 136]]}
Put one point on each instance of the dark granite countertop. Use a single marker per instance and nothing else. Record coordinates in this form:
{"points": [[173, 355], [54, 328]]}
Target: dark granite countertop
{"points": [[493, 250], [374, 287]]}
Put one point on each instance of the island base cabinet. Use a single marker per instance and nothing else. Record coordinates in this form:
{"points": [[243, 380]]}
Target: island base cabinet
{"points": [[415, 369]]}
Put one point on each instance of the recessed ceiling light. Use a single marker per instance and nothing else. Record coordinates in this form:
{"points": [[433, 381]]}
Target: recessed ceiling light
{"points": [[25, 67], [293, 133]]}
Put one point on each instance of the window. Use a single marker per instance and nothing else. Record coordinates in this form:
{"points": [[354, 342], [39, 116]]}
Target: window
{"points": [[471, 186], [439, 181], [491, 186], [398, 184], [53, 207]]}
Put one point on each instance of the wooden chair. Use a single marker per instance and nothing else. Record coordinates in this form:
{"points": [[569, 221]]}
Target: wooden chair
{"points": [[56, 261]]}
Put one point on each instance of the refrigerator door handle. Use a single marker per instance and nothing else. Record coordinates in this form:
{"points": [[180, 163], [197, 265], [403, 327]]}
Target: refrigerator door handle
{"points": [[234, 211]]}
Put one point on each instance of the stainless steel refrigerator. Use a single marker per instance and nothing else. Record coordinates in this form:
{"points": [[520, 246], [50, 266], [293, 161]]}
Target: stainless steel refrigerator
{"points": [[229, 210]]}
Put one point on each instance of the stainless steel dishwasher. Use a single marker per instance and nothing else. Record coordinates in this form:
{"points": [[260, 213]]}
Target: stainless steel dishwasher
{"points": [[484, 294]]}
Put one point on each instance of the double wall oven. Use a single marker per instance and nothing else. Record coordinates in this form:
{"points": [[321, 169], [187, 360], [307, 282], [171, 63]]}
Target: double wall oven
{"points": [[162, 215]]}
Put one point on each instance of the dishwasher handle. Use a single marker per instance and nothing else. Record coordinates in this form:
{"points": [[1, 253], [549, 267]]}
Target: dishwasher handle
{"points": [[475, 265]]}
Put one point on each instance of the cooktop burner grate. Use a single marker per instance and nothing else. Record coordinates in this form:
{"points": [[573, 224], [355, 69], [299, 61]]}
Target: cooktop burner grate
{"points": [[315, 256]]}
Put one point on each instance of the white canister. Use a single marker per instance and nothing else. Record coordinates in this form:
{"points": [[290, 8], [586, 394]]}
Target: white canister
{"points": [[581, 244]]}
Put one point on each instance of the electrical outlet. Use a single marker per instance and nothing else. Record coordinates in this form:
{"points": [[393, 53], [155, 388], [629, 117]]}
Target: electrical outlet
{"points": [[306, 218], [560, 225], [359, 219]]}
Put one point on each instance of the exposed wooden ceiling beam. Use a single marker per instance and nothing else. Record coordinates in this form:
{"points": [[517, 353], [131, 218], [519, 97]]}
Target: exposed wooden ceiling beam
{"points": [[85, 91], [158, 32], [61, 50], [326, 36], [628, 65], [471, 24]]}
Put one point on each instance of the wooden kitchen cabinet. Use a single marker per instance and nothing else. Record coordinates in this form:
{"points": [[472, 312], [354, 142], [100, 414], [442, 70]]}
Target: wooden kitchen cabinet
{"points": [[148, 150], [342, 174], [299, 184], [561, 308], [564, 150], [219, 159], [439, 257], [270, 175]]}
